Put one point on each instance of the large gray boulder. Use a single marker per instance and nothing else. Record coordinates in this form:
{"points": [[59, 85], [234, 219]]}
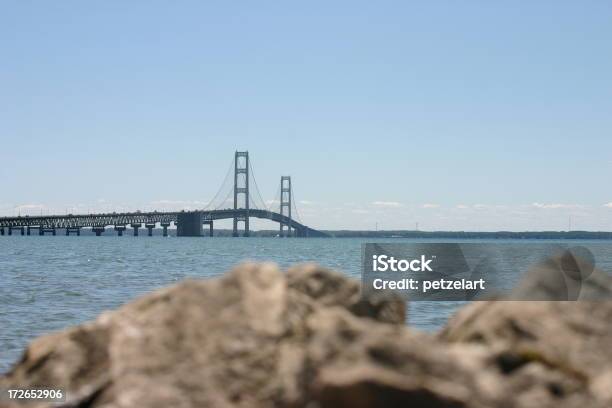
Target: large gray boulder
{"points": [[233, 341], [260, 337], [565, 344]]}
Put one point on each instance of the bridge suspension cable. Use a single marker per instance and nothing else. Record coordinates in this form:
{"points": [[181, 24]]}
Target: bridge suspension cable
{"points": [[227, 181], [273, 202], [227, 201], [253, 201], [294, 205]]}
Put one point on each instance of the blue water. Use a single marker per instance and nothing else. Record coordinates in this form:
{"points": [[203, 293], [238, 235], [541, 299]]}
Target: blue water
{"points": [[48, 283]]}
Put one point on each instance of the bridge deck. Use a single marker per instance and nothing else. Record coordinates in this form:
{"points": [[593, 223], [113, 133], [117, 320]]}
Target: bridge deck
{"points": [[122, 219]]}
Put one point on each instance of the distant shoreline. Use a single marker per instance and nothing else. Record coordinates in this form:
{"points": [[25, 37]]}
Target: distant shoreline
{"points": [[602, 235], [605, 235]]}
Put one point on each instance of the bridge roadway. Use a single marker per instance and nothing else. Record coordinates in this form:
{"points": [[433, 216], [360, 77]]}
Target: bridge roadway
{"points": [[73, 223]]}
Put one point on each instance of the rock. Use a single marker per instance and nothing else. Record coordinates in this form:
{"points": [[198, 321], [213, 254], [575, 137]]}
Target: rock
{"points": [[354, 363], [233, 341], [569, 275], [560, 348], [565, 344], [325, 288], [258, 337]]}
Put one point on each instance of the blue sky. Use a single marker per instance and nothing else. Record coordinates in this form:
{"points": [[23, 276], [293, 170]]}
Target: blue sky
{"points": [[458, 115]]}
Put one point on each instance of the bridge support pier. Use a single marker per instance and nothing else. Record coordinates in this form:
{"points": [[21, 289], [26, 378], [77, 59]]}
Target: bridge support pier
{"points": [[189, 224], [165, 226], [98, 230], [210, 227], [120, 229], [43, 230], [150, 228], [76, 230], [2, 231], [135, 227], [10, 230]]}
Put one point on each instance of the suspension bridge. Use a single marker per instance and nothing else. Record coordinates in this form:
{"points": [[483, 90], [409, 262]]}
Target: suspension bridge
{"points": [[238, 198]]}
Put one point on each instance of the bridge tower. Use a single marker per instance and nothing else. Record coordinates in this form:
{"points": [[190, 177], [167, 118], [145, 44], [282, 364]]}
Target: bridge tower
{"points": [[285, 204], [241, 187]]}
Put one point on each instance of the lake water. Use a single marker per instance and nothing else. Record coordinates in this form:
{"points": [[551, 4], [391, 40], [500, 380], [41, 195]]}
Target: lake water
{"points": [[48, 283]]}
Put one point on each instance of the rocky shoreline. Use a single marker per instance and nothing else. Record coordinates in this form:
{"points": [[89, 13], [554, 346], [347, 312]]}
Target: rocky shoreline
{"points": [[262, 337]]}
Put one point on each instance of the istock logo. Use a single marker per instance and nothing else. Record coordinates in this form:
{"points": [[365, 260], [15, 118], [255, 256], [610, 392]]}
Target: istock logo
{"points": [[383, 263]]}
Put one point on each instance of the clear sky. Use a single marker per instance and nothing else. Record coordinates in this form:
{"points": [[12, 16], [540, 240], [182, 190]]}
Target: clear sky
{"points": [[471, 115]]}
